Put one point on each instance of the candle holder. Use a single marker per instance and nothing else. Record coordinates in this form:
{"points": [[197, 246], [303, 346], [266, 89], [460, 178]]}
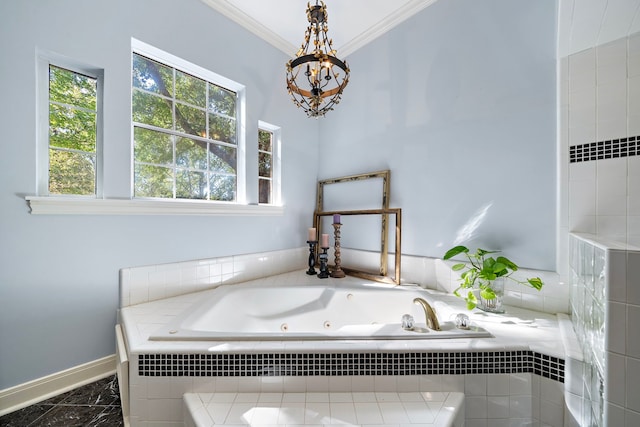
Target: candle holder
{"points": [[337, 272], [324, 264], [312, 257]]}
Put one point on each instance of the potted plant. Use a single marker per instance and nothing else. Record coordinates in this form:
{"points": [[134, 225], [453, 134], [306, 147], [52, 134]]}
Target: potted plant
{"points": [[486, 274]]}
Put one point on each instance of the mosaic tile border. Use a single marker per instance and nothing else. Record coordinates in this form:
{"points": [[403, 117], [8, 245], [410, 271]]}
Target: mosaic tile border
{"points": [[609, 149], [332, 364]]}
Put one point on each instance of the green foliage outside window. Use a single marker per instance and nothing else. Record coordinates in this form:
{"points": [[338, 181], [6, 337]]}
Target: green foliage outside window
{"points": [[185, 134], [73, 100], [265, 160]]}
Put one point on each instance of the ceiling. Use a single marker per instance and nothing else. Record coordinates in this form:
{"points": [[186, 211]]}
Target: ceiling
{"points": [[354, 23]]}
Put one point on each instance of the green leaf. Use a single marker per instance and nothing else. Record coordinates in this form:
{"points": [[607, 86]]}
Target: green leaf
{"points": [[536, 282], [488, 264], [455, 251], [499, 267], [472, 301], [483, 252], [487, 293], [506, 261], [458, 267]]}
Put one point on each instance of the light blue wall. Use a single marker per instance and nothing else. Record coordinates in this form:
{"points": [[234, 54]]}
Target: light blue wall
{"points": [[459, 102], [59, 274]]}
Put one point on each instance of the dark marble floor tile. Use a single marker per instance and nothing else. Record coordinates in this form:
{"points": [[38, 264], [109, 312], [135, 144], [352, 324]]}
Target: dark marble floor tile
{"points": [[93, 405], [69, 416], [26, 416], [103, 392]]}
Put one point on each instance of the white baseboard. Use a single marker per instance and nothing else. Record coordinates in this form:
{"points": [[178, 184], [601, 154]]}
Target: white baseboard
{"points": [[23, 395]]}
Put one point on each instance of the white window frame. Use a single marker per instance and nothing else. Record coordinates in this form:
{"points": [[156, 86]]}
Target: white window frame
{"points": [[43, 204], [45, 60], [276, 173], [173, 61]]}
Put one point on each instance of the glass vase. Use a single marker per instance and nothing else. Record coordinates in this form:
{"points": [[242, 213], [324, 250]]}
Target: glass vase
{"points": [[494, 305]]}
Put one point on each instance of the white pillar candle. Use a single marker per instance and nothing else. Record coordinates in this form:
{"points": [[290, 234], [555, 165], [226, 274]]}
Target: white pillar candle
{"points": [[312, 235], [325, 241]]}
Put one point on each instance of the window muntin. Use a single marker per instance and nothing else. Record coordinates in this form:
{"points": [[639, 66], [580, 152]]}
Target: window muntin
{"points": [[265, 166], [73, 132], [185, 134]]}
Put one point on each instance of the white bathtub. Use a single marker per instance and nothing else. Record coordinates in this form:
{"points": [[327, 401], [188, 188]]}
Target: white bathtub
{"points": [[255, 311]]}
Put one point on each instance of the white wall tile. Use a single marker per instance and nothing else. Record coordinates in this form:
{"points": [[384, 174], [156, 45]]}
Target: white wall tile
{"points": [[616, 340], [498, 385], [582, 70], [632, 384], [617, 275], [633, 337], [634, 96], [633, 56], [475, 385], [632, 278], [616, 378], [582, 197], [632, 418]]}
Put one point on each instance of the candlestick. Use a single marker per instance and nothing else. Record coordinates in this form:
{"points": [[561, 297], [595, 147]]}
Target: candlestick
{"points": [[312, 256], [324, 267], [337, 271]]}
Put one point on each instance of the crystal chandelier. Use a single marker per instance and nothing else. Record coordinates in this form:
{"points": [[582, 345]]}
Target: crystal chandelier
{"points": [[316, 77]]}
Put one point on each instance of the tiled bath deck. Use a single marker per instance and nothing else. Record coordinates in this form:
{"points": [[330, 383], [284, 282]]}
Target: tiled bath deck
{"points": [[426, 409]]}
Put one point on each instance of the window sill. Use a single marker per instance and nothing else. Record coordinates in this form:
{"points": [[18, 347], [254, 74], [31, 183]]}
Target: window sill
{"points": [[81, 206]]}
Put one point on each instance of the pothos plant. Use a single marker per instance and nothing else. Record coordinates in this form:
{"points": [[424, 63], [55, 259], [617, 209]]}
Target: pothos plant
{"points": [[481, 271]]}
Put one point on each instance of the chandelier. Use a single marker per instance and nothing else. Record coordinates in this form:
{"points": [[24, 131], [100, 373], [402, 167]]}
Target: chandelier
{"points": [[316, 77]]}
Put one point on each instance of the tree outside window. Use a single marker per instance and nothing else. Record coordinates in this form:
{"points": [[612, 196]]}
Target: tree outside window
{"points": [[185, 134], [73, 127]]}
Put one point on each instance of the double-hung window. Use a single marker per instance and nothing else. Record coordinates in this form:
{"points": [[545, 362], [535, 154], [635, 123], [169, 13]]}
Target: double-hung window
{"points": [[185, 131]]}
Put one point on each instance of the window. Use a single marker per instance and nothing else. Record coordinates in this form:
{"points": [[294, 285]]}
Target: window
{"points": [[265, 161], [185, 132], [268, 164], [72, 136]]}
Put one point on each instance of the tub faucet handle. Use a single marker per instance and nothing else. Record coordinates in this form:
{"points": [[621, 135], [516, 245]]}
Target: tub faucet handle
{"points": [[429, 314]]}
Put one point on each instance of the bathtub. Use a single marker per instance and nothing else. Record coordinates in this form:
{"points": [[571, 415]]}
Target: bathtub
{"points": [[324, 311]]}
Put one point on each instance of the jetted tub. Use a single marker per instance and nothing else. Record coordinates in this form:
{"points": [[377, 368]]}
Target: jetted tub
{"points": [[260, 312]]}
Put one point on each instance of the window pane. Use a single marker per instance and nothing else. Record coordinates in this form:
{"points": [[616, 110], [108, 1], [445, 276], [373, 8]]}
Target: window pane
{"points": [[191, 89], [191, 184], [152, 110], [72, 88], [152, 147], [264, 140], [72, 128], [152, 76], [153, 181], [222, 101], [191, 120], [264, 191], [264, 165], [222, 129], [222, 159], [222, 187], [191, 154], [71, 173]]}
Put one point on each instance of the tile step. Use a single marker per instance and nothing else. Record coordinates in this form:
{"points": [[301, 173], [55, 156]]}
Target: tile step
{"points": [[354, 409]]}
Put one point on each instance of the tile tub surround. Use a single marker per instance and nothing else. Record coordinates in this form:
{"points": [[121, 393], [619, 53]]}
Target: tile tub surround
{"points": [[515, 394], [149, 283]]}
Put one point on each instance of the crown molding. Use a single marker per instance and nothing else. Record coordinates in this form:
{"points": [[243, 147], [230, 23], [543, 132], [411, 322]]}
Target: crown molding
{"points": [[394, 19], [257, 28], [246, 21]]}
